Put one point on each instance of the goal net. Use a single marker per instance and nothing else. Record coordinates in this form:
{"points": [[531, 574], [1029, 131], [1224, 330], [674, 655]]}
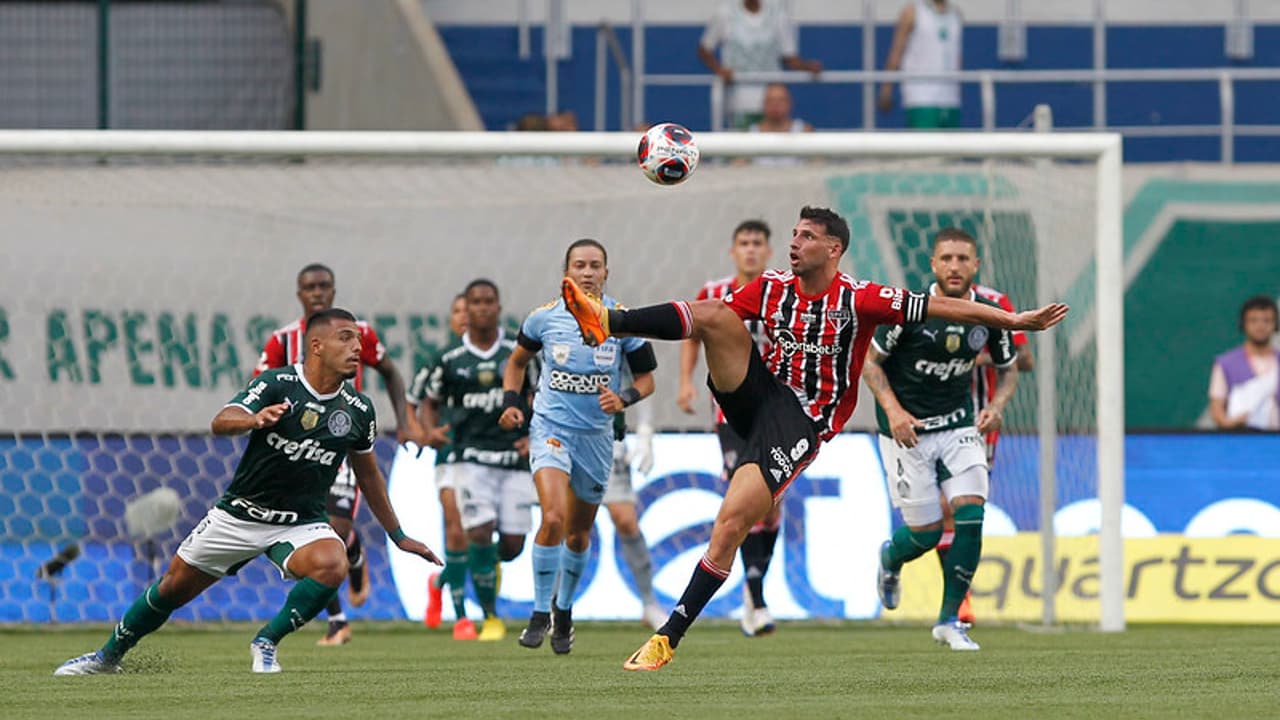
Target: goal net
{"points": [[144, 272]]}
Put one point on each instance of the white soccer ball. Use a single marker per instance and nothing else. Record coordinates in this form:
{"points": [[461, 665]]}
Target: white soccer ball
{"points": [[667, 154]]}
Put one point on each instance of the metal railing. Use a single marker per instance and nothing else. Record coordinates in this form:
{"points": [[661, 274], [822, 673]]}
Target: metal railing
{"points": [[607, 39], [988, 80]]}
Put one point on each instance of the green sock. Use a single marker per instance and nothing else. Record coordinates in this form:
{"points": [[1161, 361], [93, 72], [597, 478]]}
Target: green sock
{"points": [[455, 576], [484, 575], [962, 559], [907, 545], [305, 601], [144, 616]]}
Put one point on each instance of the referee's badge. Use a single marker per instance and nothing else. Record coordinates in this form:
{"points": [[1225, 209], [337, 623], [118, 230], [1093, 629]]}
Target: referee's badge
{"points": [[309, 419]]}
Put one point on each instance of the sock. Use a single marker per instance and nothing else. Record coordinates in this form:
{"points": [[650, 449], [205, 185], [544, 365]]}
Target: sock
{"points": [[636, 552], [668, 321], [571, 566], [751, 563], [455, 576], [355, 561], [334, 608], [948, 536], [907, 546], [484, 575], [707, 579], [304, 602], [962, 560], [768, 541], [144, 616], [546, 565]]}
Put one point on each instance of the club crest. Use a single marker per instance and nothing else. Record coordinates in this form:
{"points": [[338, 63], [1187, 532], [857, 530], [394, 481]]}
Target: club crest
{"points": [[339, 423], [560, 353], [838, 318], [978, 338]]}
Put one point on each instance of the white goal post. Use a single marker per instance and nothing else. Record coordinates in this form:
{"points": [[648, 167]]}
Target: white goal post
{"points": [[1101, 151]]}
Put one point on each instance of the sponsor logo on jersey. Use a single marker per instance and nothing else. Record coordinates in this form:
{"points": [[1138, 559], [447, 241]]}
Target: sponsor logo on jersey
{"points": [[606, 355], [560, 353], [931, 334], [780, 459], [491, 457], [937, 422], [264, 514], [254, 393], [977, 338], [787, 342], [944, 371], [309, 450], [353, 400], [577, 383], [309, 419], [339, 423], [486, 401]]}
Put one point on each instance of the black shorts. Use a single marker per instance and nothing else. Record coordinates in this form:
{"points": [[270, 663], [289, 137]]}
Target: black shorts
{"points": [[731, 447], [344, 495], [778, 435]]}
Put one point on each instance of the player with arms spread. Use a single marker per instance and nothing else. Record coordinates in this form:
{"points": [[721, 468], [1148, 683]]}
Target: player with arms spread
{"points": [[820, 322], [750, 252], [931, 434], [302, 422], [316, 292], [570, 436]]}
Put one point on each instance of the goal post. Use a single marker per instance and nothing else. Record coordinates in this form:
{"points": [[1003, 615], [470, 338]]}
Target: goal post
{"points": [[910, 181]]}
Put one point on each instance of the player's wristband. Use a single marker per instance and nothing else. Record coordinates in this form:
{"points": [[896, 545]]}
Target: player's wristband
{"points": [[397, 535], [511, 399], [630, 397]]}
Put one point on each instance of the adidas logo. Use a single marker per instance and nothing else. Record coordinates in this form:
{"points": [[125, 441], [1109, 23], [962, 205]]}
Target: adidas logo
{"points": [[680, 611], [777, 474]]}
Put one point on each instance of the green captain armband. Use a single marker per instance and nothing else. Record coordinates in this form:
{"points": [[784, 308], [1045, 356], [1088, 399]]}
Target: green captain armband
{"points": [[397, 535]]}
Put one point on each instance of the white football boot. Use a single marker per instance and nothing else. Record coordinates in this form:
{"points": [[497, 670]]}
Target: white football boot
{"points": [[954, 634], [89, 664], [264, 656]]}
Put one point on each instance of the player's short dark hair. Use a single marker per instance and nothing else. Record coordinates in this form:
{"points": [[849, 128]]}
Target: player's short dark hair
{"points": [[1260, 302], [481, 282], [754, 226], [954, 234], [325, 318], [316, 267], [835, 224], [585, 242]]}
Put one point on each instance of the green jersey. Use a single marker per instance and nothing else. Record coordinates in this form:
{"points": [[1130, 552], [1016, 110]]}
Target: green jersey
{"points": [[929, 366], [285, 473], [468, 382], [417, 394]]}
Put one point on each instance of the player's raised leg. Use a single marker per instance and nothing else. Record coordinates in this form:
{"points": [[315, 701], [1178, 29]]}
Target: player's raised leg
{"points": [[180, 584]]}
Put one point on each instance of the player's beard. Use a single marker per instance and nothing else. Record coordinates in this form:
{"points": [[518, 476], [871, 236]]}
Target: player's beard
{"points": [[350, 374]]}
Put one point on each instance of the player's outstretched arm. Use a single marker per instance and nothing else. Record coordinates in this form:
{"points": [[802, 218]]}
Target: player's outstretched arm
{"points": [[374, 487], [236, 420], [902, 424], [972, 313], [513, 386]]}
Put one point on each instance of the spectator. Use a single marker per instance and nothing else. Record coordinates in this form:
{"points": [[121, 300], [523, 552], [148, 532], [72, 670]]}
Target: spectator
{"points": [[777, 112], [1244, 387], [753, 36], [926, 40]]}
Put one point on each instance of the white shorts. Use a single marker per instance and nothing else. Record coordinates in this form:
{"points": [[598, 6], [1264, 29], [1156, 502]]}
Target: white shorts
{"points": [[935, 467], [619, 489], [221, 543], [486, 494], [446, 477]]}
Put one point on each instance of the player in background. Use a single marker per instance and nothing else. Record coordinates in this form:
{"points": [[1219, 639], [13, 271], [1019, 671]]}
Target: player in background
{"points": [[490, 465], [316, 292], [454, 573], [931, 435], [819, 321], [620, 499], [303, 421], [985, 382], [570, 436], [750, 251]]}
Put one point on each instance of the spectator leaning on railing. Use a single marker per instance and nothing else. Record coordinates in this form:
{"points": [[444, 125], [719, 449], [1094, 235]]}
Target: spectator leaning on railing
{"points": [[1244, 387], [926, 40], [753, 36]]}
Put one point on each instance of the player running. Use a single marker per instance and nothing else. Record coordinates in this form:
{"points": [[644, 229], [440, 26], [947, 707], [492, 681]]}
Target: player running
{"points": [[316, 292], [750, 252], [930, 435], [571, 438], [819, 321], [302, 422], [490, 464]]}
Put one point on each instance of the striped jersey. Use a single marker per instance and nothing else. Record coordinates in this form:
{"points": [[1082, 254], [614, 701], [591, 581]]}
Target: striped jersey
{"points": [[984, 377], [716, 290], [818, 344], [286, 346]]}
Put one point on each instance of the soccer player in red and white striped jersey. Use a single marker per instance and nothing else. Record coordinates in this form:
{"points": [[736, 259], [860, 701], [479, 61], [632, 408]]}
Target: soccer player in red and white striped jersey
{"points": [[750, 251], [820, 321], [316, 292]]}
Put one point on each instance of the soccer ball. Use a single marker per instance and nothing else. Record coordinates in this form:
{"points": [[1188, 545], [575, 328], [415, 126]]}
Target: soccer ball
{"points": [[667, 154]]}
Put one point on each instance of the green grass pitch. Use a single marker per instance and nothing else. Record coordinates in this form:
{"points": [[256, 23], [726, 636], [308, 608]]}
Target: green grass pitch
{"points": [[396, 671]]}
